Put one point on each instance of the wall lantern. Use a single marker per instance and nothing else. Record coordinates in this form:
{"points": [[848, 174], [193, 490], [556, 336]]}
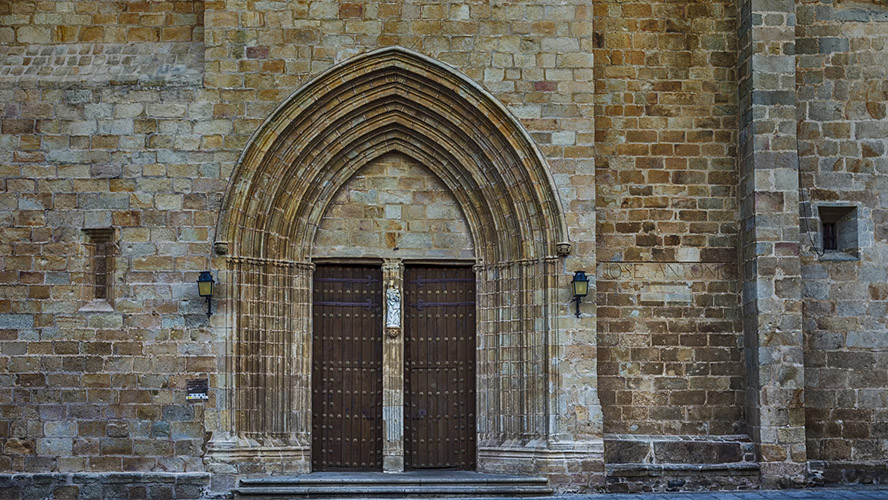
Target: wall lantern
{"points": [[580, 285], [205, 289]]}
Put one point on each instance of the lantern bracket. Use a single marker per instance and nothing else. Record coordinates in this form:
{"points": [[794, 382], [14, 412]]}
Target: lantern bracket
{"points": [[580, 288], [205, 285]]}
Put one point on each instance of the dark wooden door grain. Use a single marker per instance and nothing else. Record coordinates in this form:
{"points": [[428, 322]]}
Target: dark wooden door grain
{"points": [[347, 368], [439, 370]]}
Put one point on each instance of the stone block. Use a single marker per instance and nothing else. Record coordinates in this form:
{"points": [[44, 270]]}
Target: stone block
{"points": [[165, 110], [620, 452], [213, 127], [168, 201], [871, 129], [696, 452], [16, 321], [33, 35], [160, 430], [60, 429], [71, 492], [54, 446], [830, 45], [824, 111], [186, 430], [176, 413]]}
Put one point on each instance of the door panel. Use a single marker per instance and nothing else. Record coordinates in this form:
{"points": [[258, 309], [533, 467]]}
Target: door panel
{"points": [[347, 368], [439, 371]]}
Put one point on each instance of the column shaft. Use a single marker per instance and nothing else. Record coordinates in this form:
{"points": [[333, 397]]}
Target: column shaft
{"points": [[393, 376]]}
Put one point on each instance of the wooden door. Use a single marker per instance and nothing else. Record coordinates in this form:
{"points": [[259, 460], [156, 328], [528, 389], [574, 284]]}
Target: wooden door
{"points": [[439, 370], [347, 368]]}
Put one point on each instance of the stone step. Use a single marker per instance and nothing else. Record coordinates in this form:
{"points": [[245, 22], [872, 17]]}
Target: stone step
{"points": [[400, 496], [467, 478], [391, 491], [377, 485]]}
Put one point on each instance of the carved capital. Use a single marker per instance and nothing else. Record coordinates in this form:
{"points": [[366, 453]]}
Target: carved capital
{"points": [[393, 332], [562, 249], [392, 266], [220, 247]]}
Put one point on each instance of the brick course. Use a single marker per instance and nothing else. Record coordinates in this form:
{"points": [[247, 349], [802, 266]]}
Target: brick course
{"points": [[666, 180]]}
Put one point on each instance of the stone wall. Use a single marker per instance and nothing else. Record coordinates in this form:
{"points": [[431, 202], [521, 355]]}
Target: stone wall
{"points": [[100, 132], [674, 135], [842, 67], [666, 177], [532, 57], [29, 22], [394, 208], [96, 486], [151, 41], [103, 389]]}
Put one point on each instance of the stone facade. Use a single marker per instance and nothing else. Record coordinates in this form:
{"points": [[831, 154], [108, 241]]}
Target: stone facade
{"points": [[842, 73], [666, 143], [685, 156]]}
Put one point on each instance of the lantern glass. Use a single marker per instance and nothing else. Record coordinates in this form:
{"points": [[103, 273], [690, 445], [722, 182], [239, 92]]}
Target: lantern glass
{"points": [[580, 284], [205, 284]]}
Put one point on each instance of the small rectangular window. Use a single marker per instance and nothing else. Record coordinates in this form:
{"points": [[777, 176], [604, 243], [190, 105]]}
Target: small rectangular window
{"points": [[830, 241], [838, 232], [99, 246]]}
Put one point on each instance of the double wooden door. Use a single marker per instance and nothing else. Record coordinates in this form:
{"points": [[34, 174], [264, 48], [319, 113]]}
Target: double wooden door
{"points": [[439, 368]]}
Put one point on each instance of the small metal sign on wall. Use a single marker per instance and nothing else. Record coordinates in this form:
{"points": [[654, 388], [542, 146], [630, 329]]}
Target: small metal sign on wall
{"points": [[198, 390]]}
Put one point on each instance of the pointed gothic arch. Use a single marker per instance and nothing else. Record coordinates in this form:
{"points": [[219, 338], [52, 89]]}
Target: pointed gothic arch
{"points": [[387, 100], [483, 149]]}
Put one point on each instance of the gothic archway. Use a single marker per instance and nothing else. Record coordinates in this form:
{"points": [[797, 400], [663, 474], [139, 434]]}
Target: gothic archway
{"points": [[387, 100]]}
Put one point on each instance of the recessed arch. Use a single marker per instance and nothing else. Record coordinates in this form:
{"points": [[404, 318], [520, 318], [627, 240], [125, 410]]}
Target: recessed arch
{"points": [[397, 139], [389, 100], [330, 117], [394, 208]]}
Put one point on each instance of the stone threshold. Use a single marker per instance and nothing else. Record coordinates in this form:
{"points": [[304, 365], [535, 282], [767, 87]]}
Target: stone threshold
{"points": [[407, 477]]}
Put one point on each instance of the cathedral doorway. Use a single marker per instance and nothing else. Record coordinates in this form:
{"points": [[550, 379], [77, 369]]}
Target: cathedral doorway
{"points": [[438, 387], [386, 163]]}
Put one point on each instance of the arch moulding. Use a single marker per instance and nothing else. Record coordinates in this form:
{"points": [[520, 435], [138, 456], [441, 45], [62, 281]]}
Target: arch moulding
{"points": [[389, 100]]}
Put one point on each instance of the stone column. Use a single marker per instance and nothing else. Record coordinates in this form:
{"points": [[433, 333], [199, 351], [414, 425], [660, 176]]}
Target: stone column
{"points": [[393, 375], [769, 201]]}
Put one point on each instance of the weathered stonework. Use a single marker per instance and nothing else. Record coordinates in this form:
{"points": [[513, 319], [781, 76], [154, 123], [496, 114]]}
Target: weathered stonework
{"points": [[515, 233], [842, 73], [769, 251], [86, 485], [394, 207], [669, 328], [681, 154]]}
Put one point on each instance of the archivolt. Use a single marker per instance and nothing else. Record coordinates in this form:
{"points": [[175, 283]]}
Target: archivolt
{"points": [[383, 101], [391, 99]]}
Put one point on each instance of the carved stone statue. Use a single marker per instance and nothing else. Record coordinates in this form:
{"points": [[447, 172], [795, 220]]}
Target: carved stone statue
{"points": [[392, 307]]}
